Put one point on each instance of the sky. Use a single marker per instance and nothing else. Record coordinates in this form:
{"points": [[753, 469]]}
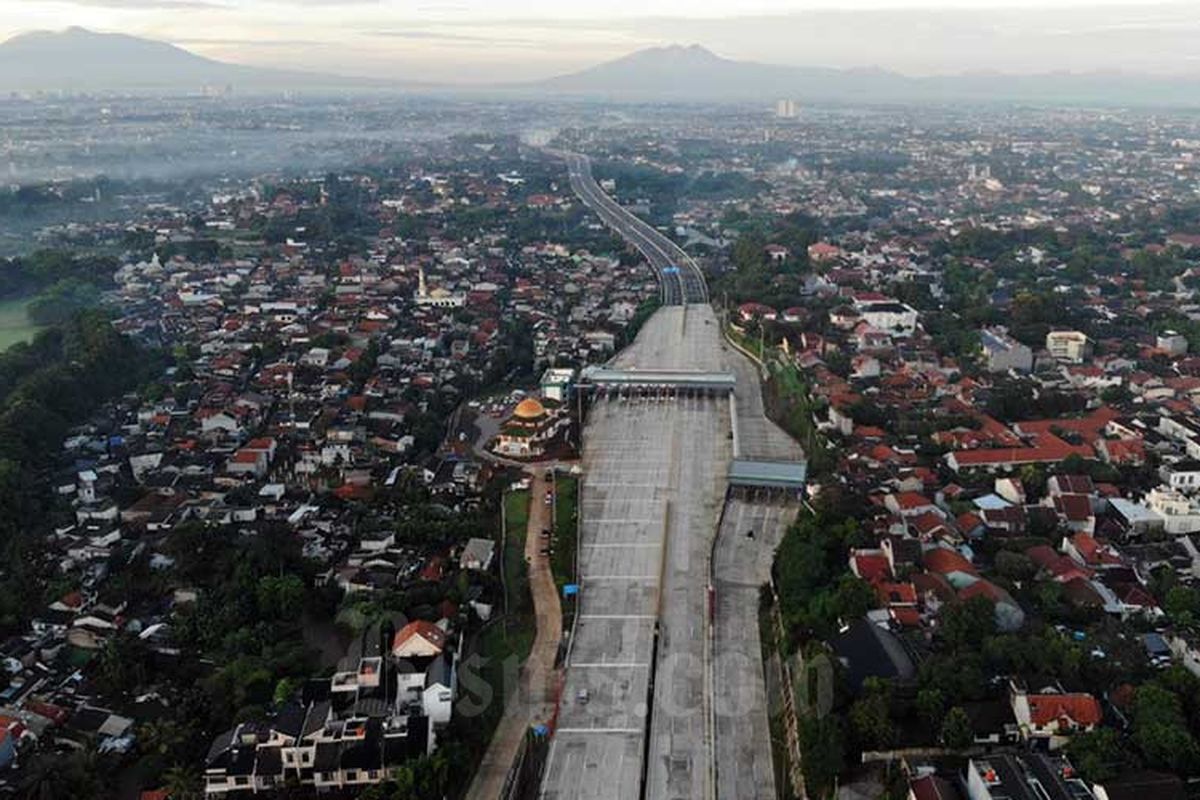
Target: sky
{"points": [[505, 40]]}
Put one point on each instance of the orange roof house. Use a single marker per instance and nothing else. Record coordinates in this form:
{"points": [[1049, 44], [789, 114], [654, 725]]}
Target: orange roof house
{"points": [[418, 638]]}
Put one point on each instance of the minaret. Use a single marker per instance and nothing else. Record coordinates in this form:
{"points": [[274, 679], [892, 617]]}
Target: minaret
{"points": [[422, 289]]}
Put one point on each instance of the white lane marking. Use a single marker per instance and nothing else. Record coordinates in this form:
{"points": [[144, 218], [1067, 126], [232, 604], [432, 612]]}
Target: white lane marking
{"points": [[620, 578], [607, 545]]}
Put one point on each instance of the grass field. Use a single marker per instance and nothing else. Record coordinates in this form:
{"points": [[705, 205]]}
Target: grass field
{"points": [[14, 323], [516, 571], [566, 490]]}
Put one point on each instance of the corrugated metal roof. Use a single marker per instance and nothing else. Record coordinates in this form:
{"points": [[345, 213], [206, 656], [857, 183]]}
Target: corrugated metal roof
{"points": [[659, 377], [768, 474]]}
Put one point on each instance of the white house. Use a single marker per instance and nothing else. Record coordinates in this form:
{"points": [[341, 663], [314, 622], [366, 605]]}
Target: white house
{"points": [[1002, 353], [477, 554], [1182, 476], [1180, 513], [1053, 716], [890, 316]]}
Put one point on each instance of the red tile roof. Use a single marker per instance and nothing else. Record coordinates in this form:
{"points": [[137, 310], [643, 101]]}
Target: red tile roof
{"points": [[1058, 565], [943, 561], [910, 500], [1074, 507], [871, 567], [426, 630], [985, 588], [928, 523], [1082, 709], [890, 593], [1093, 552]]}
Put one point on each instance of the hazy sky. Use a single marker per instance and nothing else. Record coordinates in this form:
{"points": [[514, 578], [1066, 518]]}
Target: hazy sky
{"points": [[489, 40]]}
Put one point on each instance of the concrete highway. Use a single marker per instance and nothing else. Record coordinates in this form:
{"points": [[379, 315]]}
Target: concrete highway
{"points": [[741, 565], [662, 700], [680, 279], [654, 475], [654, 481]]}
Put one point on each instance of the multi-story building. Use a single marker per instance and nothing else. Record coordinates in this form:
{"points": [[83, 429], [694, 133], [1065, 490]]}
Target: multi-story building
{"points": [[1072, 347]]}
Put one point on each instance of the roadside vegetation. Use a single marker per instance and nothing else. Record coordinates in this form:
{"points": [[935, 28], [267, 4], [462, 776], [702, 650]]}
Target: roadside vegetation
{"points": [[566, 516]]}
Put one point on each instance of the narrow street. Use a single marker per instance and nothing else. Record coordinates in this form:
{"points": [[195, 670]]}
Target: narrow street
{"points": [[534, 700]]}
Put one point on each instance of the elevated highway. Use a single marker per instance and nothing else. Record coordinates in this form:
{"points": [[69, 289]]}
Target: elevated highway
{"points": [[680, 279]]}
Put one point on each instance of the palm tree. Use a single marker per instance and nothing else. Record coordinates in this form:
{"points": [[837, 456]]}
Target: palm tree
{"points": [[43, 779], [51, 777]]}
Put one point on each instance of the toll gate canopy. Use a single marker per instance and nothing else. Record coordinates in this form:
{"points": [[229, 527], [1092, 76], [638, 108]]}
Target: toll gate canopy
{"points": [[605, 378], [749, 473]]}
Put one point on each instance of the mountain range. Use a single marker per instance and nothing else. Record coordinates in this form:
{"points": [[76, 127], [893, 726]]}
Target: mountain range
{"points": [[78, 60], [695, 73]]}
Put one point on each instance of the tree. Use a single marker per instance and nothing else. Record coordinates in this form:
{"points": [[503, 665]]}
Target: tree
{"points": [[1160, 730], [1182, 604], [280, 597], [1097, 754], [1015, 566], [1116, 395], [931, 705], [182, 783], [870, 717], [966, 624], [284, 690], [823, 753], [123, 664], [160, 736], [957, 733], [51, 777], [853, 598]]}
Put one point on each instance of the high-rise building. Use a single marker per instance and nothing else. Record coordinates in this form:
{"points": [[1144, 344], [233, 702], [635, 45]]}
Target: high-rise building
{"points": [[786, 109]]}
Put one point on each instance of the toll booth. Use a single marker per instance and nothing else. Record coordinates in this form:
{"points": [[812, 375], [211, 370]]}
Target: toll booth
{"points": [[773, 477]]}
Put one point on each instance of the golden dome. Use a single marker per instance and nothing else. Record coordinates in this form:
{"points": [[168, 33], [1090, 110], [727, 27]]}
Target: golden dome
{"points": [[529, 408]]}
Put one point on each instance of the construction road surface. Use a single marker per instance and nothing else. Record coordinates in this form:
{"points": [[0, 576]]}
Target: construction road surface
{"points": [[664, 700], [655, 473]]}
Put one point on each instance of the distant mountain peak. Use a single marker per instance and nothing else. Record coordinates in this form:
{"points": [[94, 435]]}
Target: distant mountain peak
{"points": [[678, 53], [78, 59], [694, 73]]}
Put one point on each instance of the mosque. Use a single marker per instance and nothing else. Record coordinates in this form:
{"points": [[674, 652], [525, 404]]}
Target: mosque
{"points": [[530, 428], [438, 298]]}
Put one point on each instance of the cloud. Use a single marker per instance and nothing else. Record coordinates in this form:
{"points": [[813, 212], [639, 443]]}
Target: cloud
{"points": [[325, 2], [430, 36], [231, 42], [149, 4], [456, 38]]}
